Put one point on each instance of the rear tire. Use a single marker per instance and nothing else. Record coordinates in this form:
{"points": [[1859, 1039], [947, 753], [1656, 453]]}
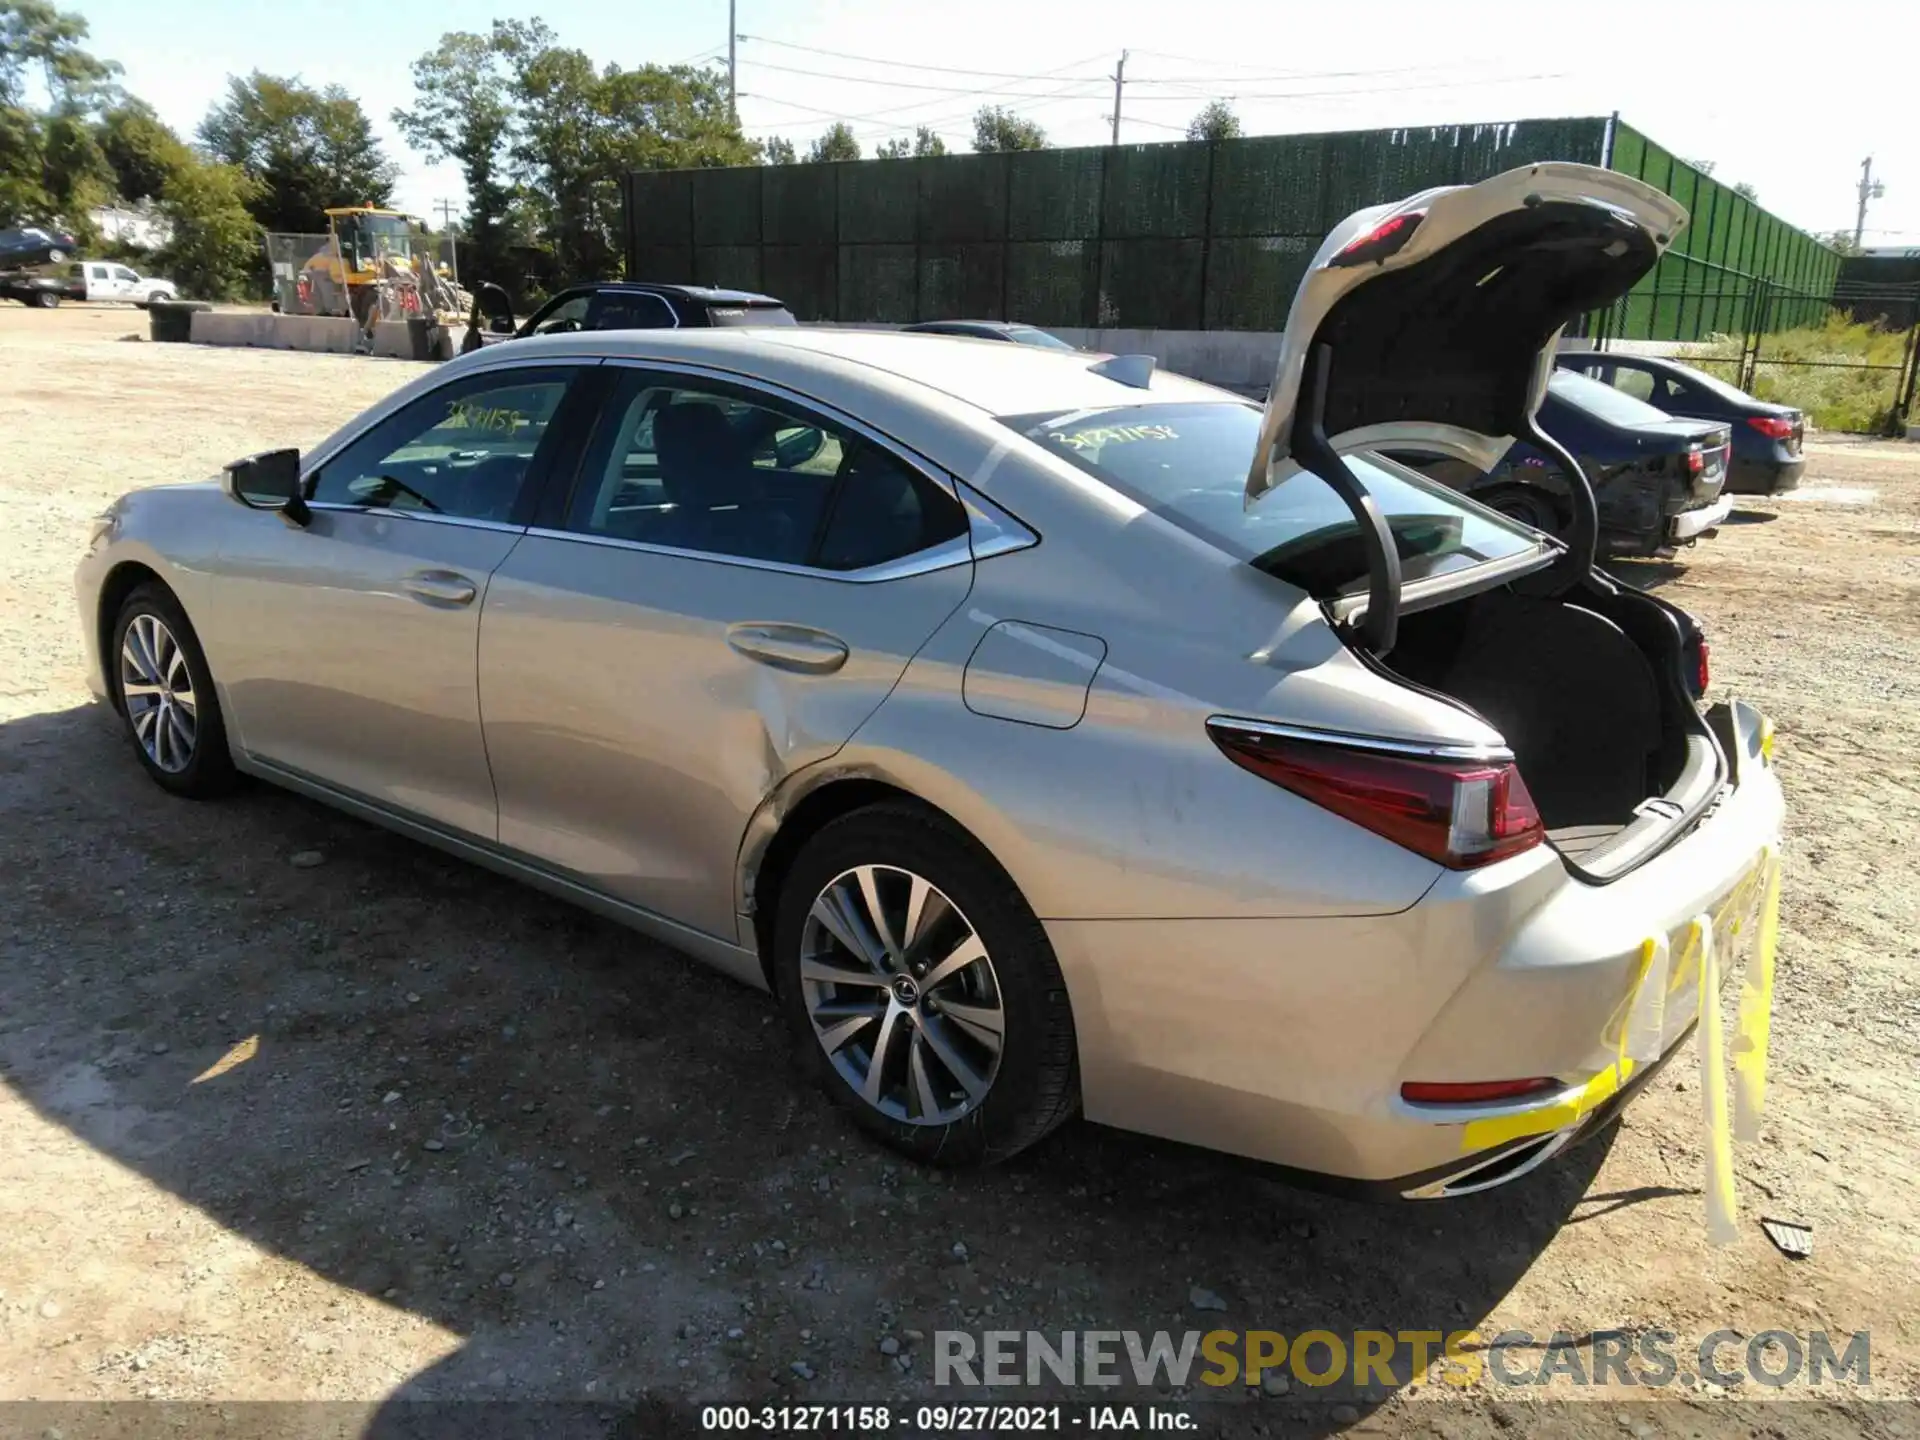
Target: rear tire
{"points": [[45, 299], [163, 689], [1531, 507], [960, 1007]]}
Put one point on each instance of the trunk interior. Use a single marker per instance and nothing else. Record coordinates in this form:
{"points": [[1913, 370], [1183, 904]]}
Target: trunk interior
{"points": [[1586, 689]]}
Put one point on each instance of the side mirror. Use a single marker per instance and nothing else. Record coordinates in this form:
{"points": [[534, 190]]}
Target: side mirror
{"points": [[269, 480], [796, 447]]}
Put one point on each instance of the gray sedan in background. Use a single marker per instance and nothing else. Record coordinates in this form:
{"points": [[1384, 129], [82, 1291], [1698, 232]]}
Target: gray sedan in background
{"points": [[1049, 734]]}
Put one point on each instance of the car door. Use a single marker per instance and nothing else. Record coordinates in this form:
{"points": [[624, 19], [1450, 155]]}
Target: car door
{"points": [[100, 284], [347, 647], [738, 581], [126, 284]]}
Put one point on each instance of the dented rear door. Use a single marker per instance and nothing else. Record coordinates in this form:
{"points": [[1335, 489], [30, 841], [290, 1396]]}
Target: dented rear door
{"points": [[640, 699]]}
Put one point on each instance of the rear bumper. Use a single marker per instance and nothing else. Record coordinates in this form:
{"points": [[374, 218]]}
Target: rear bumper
{"points": [[1691, 524], [1287, 1041], [1754, 476]]}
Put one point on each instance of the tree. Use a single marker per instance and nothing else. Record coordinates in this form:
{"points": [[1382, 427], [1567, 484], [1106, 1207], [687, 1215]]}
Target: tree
{"points": [[1841, 240], [775, 150], [307, 150], [1747, 189], [581, 129], [924, 142], [76, 176], [142, 150], [836, 144], [23, 194], [996, 129], [1216, 122], [215, 242], [463, 111], [33, 34]]}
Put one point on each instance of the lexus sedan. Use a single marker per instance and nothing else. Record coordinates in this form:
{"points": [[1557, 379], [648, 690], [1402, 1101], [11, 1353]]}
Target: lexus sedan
{"points": [[1047, 733]]}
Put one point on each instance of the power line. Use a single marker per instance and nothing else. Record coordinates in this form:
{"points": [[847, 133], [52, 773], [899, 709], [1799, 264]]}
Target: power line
{"points": [[912, 65], [1371, 90], [893, 84]]}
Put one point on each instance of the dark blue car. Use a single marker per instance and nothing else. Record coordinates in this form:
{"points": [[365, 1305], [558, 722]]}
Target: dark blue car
{"points": [[1766, 438]]}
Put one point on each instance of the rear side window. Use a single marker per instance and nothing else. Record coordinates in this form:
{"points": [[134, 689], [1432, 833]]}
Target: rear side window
{"points": [[718, 470], [1188, 464]]}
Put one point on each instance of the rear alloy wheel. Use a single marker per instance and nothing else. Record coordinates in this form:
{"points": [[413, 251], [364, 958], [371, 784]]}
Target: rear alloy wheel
{"points": [[1533, 508], [920, 990], [162, 688]]}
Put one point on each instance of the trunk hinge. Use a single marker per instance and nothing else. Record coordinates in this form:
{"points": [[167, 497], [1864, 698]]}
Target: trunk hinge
{"points": [[1380, 625], [1583, 531]]}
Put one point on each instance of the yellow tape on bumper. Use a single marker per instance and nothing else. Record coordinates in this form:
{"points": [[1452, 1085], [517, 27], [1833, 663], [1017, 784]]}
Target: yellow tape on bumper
{"points": [[1498, 1129], [1755, 1026]]}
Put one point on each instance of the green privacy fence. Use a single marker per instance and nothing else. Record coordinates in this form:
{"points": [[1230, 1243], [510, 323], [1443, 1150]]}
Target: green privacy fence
{"points": [[1176, 236], [1734, 268]]}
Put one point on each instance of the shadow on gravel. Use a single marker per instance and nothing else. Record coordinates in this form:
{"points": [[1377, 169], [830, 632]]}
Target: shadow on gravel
{"points": [[589, 1156]]}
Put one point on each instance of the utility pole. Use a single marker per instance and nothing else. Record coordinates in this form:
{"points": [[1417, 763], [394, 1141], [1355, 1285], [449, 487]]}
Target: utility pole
{"points": [[445, 207], [733, 94], [1870, 189], [1119, 79]]}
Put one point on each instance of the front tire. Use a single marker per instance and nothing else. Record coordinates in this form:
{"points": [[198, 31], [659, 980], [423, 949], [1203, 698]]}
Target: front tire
{"points": [[163, 689], [921, 993]]}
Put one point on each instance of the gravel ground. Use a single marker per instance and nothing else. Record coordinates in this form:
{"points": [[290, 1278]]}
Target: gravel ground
{"points": [[294, 1109]]}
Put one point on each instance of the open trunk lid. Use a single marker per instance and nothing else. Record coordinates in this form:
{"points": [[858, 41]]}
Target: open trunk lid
{"points": [[1432, 324]]}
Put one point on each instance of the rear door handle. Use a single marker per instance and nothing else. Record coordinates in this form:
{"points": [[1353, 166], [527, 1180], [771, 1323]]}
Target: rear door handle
{"points": [[441, 587], [789, 647]]}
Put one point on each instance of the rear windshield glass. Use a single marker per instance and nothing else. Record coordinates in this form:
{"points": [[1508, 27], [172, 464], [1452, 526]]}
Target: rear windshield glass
{"points": [[1614, 406], [750, 315], [1188, 464]]}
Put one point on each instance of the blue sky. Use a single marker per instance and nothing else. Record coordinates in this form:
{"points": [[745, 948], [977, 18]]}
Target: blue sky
{"points": [[1772, 95]]}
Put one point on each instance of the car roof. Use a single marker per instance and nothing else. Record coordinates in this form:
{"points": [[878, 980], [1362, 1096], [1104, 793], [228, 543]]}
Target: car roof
{"points": [[708, 294], [999, 379], [926, 325]]}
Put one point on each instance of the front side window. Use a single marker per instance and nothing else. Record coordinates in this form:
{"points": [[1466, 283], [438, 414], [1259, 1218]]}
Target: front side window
{"points": [[720, 472], [462, 451], [120, 272], [1637, 383], [1188, 464]]}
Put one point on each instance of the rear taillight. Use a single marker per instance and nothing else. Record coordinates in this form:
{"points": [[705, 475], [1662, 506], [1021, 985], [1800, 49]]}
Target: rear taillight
{"points": [[1461, 813], [1383, 240], [1696, 461], [1703, 669], [1476, 1092], [1771, 426]]}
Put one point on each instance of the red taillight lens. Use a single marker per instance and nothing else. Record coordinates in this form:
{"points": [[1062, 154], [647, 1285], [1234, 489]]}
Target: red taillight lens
{"points": [[1461, 813], [1703, 670], [1696, 461], [1383, 240], [1476, 1092], [1771, 426]]}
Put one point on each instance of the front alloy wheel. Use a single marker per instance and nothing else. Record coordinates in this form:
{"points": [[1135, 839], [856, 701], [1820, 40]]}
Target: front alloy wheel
{"points": [[161, 685], [902, 995], [158, 692]]}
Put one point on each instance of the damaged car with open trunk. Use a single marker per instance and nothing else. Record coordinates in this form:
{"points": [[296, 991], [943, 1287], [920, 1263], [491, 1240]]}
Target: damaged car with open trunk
{"points": [[1048, 733]]}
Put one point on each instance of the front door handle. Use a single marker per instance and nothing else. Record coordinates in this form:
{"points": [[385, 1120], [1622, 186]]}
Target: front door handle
{"points": [[789, 647], [441, 587]]}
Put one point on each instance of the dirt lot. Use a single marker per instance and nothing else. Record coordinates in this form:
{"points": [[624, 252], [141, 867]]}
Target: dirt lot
{"points": [[477, 1145]]}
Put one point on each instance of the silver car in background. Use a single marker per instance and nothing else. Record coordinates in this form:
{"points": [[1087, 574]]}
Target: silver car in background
{"points": [[1049, 734]]}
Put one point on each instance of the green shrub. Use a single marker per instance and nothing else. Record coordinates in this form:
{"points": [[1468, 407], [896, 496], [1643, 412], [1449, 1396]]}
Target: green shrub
{"points": [[1834, 394]]}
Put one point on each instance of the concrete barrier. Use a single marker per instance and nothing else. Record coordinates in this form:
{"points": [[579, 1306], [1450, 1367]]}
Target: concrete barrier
{"points": [[324, 334], [327, 334]]}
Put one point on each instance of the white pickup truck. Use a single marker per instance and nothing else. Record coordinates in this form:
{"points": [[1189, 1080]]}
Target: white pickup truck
{"points": [[105, 280]]}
